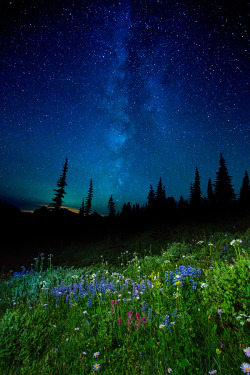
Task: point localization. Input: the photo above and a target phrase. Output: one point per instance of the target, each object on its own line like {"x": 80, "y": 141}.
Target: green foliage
{"x": 229, "y": 287}
{"x": 183, "y": 330}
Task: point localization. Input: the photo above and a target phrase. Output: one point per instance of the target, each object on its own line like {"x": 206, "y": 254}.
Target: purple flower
{"x": 247, "y": 351}
{"x": 219, "y": 311}
{"x": 212, "y": 372}
{"x": 245, "y": 367}
{"x": 96, "y": 366}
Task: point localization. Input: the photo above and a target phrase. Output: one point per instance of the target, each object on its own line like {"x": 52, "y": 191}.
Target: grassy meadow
{"x": 183, "y": 309}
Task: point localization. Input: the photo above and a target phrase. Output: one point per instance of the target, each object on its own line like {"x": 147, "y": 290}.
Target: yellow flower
{"x": 218, "y": 351}
{"x": 177, "y": 283}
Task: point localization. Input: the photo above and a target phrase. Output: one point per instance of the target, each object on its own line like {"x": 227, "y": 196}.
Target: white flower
{"x": 235, "y": 241}
{"x": 204, "y": 285}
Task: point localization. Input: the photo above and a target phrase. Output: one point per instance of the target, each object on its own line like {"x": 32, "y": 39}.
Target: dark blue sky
{"x": 129, "y": 91}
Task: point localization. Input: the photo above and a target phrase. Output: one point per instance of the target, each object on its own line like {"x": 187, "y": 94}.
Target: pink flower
{"x": 116, "y": 302}
{"x": 143, "y": 320}
{"x": 137, "y": 315}
{"x": 119, "y": 320}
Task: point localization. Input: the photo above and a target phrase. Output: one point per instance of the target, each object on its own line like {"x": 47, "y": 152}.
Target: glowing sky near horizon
{"x": 129, "y": 91}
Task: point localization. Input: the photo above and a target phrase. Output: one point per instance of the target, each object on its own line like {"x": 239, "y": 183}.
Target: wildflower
{"x": 119, "y": 320}
{"x": 76, "y": 329}
{"x": 96, "y": 366}
{"x": 203, "y": 285}
{"x": 212, "y": 372}
{"x": 218, "y": 351}
{"x": 247, "y": 351}
{"x": 161, "y": 326}
{"x": 84, "y": 353}
{"x": 169, "y": 370}
{"x": 55, "y": 350}
{"x": 177, "y": 283}
{"x": 67, "y": 339}
{"x": 84, "y": 312}
{"x": 245, "y": 367}
{"x": 96, "y": 354}
{"x": 143, "y": 321}
{"x": 235, "y": 241}
{"x": 219, "y": 311}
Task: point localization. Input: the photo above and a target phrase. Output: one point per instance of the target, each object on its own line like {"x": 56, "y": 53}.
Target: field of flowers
{"x": 185, "y": 311}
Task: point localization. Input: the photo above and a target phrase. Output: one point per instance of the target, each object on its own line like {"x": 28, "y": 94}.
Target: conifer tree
{"x": 151, "y": 198}
{"x": 160, "y": 192}
{"x": 111, "y": 207}
{"x": 81, "y": 211}
{"x": 195, "y": 193}
{"x": 244, "y": 199}
{"x": 89, "y": 199}
{"x": 60, "y": 192}
{"x": 224, "y": 191}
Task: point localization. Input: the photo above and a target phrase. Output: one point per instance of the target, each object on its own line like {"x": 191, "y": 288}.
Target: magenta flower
{"x": 119, "y": 320}
{"x": 143, "y": 320}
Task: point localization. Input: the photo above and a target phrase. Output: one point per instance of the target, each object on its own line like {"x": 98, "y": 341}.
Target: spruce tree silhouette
{"x": 224, "y": 191}
{"x": 111, "y": 207}
{"x": 89, "y": 199}
{"x": 151, "y": 198}
{"x": 244, "y": 198}
{"x": 60, "y": 192}
{"x": 81, "y": 211}
{"x": 195, "y": 192}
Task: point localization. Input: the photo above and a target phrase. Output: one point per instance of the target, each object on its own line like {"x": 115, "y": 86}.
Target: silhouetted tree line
{"x": 220, "y": 197}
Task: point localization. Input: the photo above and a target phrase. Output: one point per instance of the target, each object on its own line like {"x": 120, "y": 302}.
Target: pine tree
{"x": 60, "y": 192}
{"x": 89, "y": 199}
{"x": 244, "y": 199}
{"x": 151, "y": 198}
{"x": 224, "y": 191}
{"x": 111, "y": 207}
{"x": 81, "y": 211}
{"x": 195, "y": 193}
{"x": 159, "y": 192}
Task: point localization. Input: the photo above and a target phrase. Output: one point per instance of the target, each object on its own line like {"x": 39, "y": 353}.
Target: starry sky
{"x": 128, "y": 90}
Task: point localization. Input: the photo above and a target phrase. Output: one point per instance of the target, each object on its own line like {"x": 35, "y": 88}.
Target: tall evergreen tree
{"x": 89, "y": 199}
{"x": 60, "y": 192}
{"x": 111, "y": 207}
{"x": 81, "y": 211}
{"x": 244, "y": 199}
{"x": 195, "y": 193}
{"x": 151, "y": 198}
{"x": 224, "y": 191}
{"x": 159, "y": 192}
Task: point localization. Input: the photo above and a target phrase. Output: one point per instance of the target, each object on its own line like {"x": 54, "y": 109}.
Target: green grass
{"x": 191, "y": 324}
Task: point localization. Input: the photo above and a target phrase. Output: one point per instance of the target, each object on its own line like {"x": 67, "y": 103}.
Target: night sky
{"x": 129, "y": 91}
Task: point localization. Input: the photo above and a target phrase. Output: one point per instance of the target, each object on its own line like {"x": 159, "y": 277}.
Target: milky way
{"x": 129, "y": 91}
